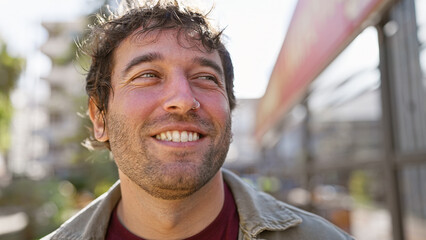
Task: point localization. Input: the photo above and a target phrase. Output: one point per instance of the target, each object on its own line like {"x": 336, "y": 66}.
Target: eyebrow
{"x": 154, "y": 56}
{"x": 208, "y": 63}
{"x": 149, "y": 57}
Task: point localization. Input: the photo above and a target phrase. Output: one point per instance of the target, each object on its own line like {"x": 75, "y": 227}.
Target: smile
{"x": 178, "y": 136}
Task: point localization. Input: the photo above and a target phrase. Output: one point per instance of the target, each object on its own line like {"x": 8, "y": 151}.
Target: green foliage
{"x": 92, "y": 170}
{"x": 358, "y": 187}
{"x": 50, "y": 202}
{"x": 5, "y": 117}
{"x": 10, "y": 68}
{"x": 43, "y": 201}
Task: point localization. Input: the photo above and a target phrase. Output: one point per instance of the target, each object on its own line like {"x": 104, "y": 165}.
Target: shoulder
{"x": 48, "y": 237}
{"x": 263, "y": 216}
{"x": 312, "y": 227}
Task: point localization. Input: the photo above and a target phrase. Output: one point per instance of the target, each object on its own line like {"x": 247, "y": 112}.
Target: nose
{"x": 180, "y": 98}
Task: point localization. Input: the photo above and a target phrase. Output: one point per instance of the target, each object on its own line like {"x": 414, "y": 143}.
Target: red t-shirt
{"x": 225, "y": 226}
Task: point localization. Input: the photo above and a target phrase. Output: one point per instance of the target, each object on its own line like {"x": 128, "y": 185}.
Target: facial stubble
{"x": 136, "y": 158}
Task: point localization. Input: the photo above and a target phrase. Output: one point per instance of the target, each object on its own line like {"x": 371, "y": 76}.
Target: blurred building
{"x": 44, "y": 126}
{"x": 67, "y": 92}
{"x": 344, "y": 116}
{"x": 46, "y": 114}
{"x": 244, "y": 150}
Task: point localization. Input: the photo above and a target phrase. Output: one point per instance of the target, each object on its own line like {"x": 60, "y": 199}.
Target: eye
{"x": 147, "y": 75}
{"x": 145, "y": 79}
{"x": 207, "y": 77}
{"x": 208, "y": 80}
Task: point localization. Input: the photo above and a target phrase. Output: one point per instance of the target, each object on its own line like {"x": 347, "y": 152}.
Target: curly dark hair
{"x": 108, "y": 32}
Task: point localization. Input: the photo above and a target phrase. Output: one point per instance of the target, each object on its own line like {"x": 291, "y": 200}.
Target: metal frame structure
{"x": 403, "y": 101}
{"x": 403, "y": 122}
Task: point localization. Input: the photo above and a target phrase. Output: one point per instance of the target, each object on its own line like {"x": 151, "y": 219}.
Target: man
{"x": 160, "y": 98}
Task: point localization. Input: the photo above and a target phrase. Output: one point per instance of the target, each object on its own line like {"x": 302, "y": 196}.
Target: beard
{"x": 168, "y": 175}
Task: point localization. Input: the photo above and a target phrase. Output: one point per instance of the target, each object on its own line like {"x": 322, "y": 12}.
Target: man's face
{"x": 155, "y": 80}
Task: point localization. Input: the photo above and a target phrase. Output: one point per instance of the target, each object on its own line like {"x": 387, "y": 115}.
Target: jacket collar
{"x": 259, "y": 211}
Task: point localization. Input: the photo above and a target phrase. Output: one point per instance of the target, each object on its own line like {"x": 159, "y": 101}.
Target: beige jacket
{"x": 261, "y": 217}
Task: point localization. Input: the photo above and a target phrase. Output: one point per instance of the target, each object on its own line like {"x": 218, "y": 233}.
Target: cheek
{"x": 135, "y": 103}
{"x": 217, "y": 106}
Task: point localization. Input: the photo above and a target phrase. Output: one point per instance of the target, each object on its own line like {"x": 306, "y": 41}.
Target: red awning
{"x": 318, "y": 32}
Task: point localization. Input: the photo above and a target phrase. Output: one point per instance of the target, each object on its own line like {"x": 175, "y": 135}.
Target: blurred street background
{"x": 331, "y": 113}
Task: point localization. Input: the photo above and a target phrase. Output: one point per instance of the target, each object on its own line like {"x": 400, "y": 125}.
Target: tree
{"x": 10, "y": 68}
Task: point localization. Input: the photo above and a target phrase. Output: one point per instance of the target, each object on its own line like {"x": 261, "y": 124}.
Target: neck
{"x": 154, "y": 218}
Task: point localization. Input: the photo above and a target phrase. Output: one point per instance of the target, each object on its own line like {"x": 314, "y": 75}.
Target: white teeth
{"x": 177, "y": 136}
{"x": 195, "y": 137}
{"x": 184, "y": 136}
{"x": 163, "y": 136}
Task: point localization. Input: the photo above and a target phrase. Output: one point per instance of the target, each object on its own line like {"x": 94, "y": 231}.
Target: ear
{"x": 97, "y": 118}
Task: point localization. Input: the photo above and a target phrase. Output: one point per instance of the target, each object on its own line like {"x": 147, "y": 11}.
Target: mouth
{"x": 178, "y": 136}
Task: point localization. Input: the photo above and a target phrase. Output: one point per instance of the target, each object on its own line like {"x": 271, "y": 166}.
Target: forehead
{"x": 170, "y": 43}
